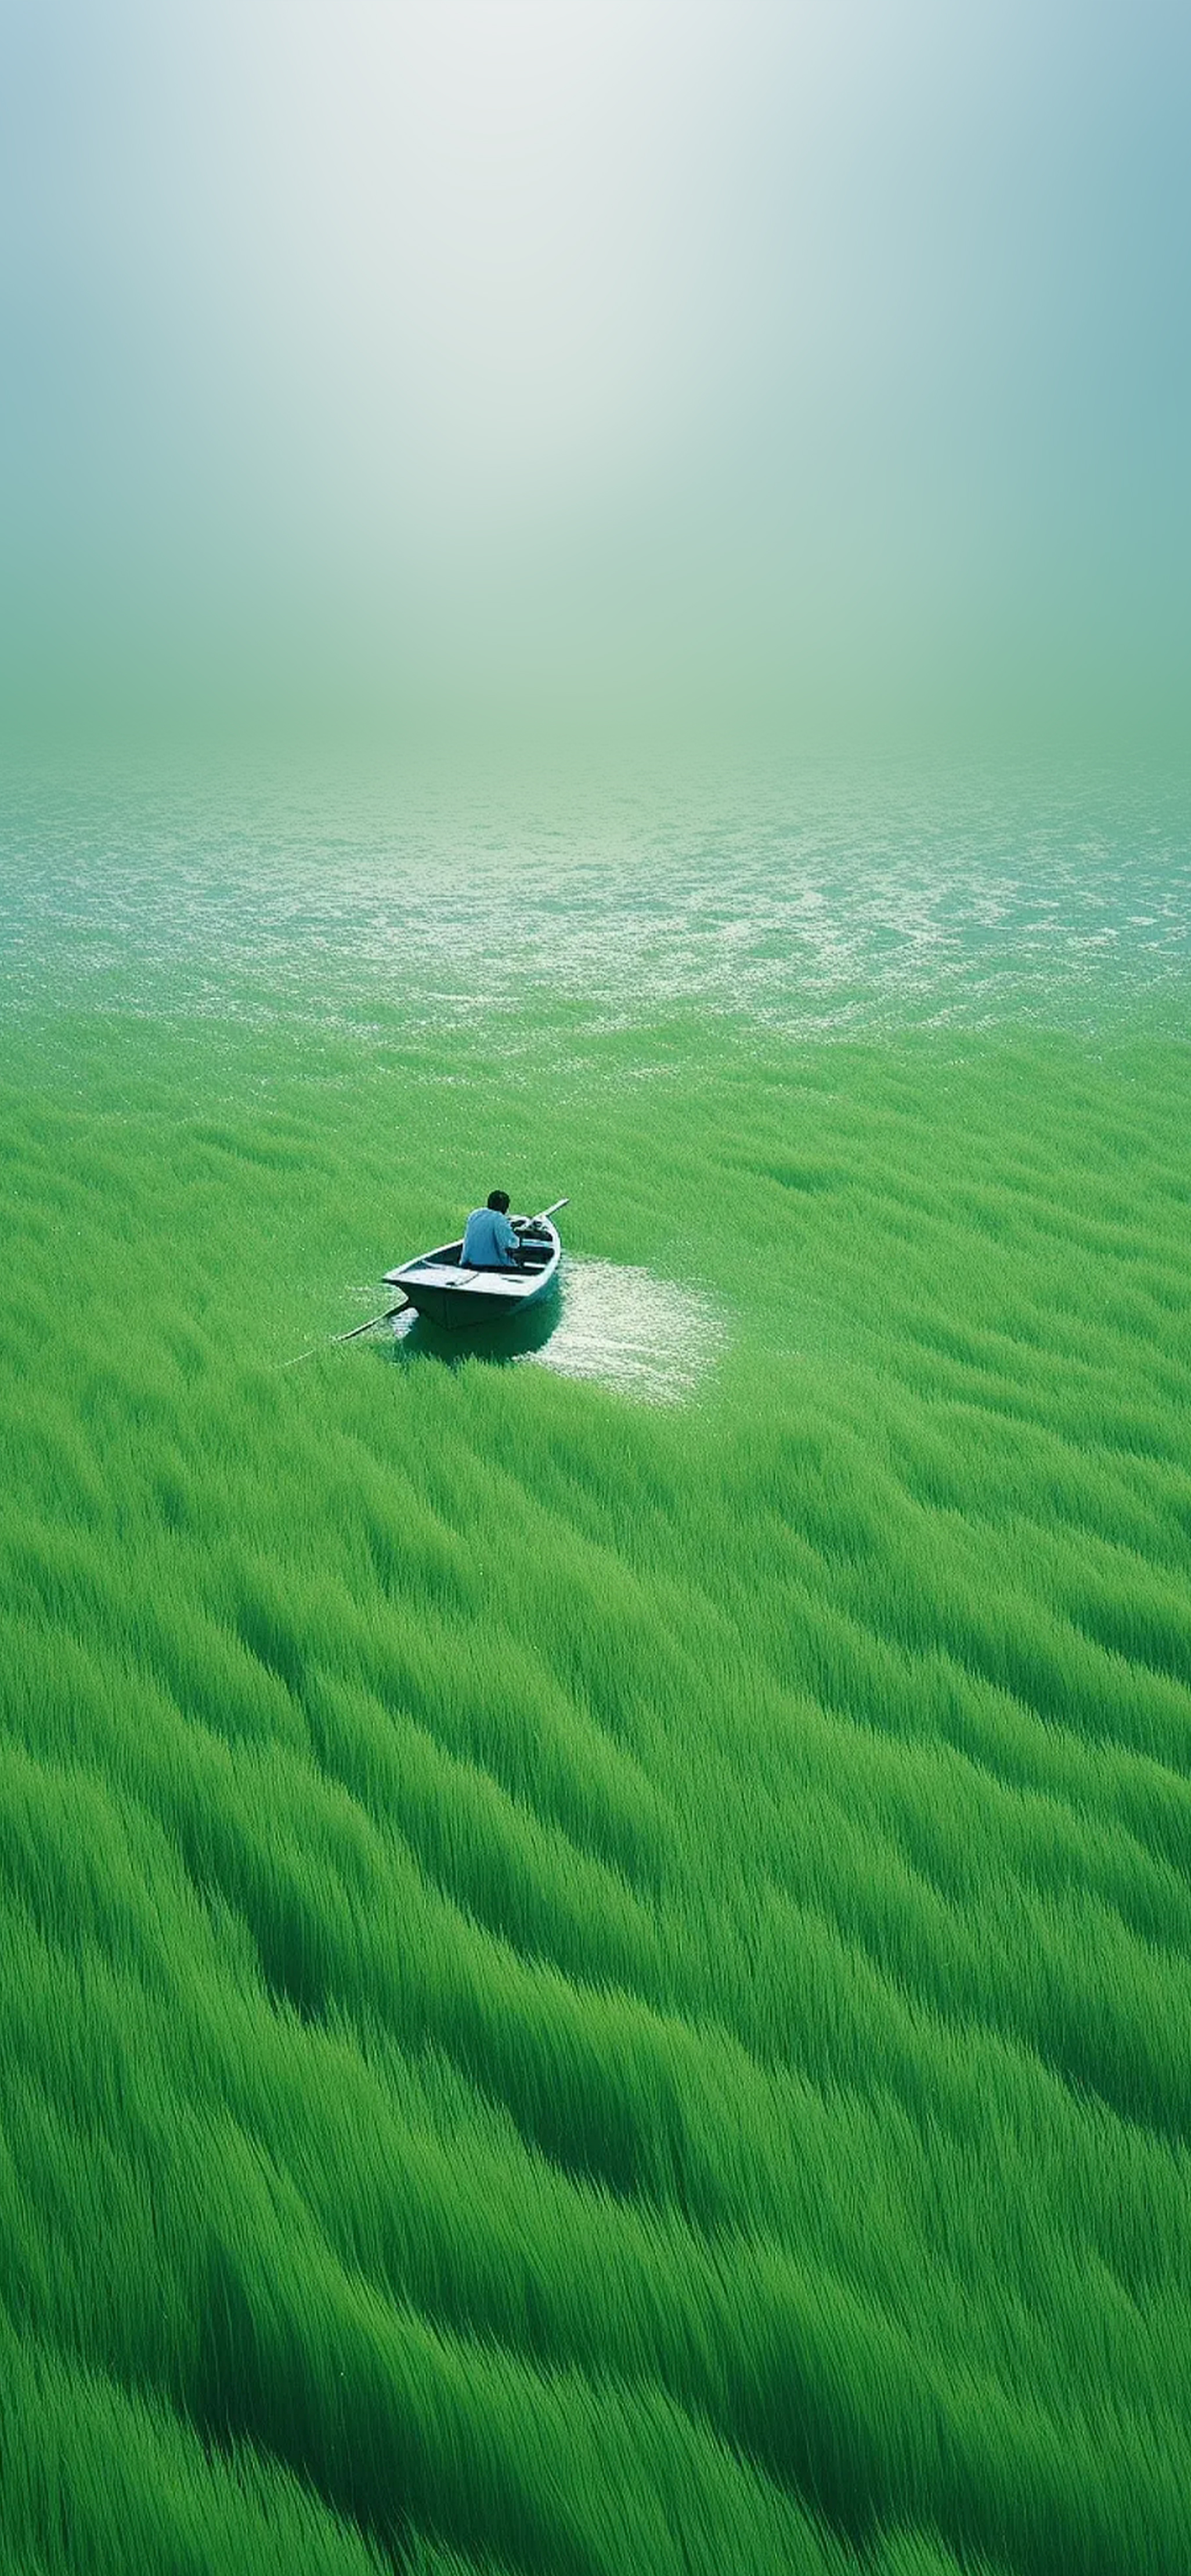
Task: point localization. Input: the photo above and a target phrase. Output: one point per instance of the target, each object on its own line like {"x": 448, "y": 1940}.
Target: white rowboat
{"x": 452, "y": 1297}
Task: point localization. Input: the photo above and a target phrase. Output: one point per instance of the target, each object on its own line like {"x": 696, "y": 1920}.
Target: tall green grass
{"x": 589, "y": 1987}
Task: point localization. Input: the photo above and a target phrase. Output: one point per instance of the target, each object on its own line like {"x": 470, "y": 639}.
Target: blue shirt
{"x": 488, "y": 1242}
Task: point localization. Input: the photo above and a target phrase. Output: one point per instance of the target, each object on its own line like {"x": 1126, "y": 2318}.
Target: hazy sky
{"x": 541, "y": 328}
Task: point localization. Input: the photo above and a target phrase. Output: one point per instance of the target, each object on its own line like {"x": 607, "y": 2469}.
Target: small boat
{"x": 452, "y": 1297}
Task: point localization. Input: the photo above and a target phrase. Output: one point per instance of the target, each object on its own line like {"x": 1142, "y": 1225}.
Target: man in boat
{"x": 490, "y": 1242}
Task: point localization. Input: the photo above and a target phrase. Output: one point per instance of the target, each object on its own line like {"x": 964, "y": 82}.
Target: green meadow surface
{"x": 592, "y": 1987}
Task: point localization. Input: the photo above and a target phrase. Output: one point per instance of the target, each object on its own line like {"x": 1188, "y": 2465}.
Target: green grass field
{"x": 595, "y": 1989}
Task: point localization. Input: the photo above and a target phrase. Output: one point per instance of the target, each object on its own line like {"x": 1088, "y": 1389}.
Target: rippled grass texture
{"x": 589, "y": 1989}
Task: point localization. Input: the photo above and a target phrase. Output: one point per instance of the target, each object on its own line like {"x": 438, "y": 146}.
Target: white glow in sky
{"x": 475, "y": 317}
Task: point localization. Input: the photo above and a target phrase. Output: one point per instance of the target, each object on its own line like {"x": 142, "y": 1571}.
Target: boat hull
{"x": 457, "y": 1300}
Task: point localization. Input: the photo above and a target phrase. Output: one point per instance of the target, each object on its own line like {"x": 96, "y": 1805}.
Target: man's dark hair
{"x": 499, "y": 1199}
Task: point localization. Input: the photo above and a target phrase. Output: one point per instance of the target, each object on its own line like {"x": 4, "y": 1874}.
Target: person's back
{"x": 489, "y": 1242}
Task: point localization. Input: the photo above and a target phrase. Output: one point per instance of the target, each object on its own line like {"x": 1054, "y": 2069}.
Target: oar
{"x": 545, "y": 1212}
{"x": 386, "y": 1318}
{"x": 356, "y": 1329}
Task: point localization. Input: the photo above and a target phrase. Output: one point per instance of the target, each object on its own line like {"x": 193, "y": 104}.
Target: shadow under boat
{"x": 499, "y": 1343}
